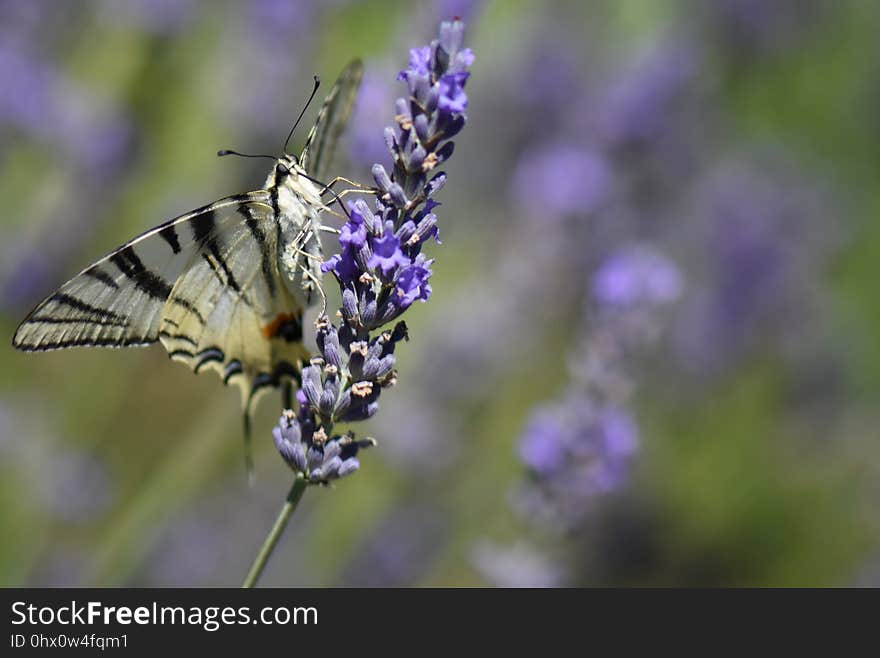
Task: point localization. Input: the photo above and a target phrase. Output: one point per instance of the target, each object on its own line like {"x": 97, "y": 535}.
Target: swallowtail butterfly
{"x": 223, "y": 287}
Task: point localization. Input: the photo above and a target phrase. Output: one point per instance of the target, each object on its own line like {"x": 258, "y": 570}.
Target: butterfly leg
{"x": 319, "y": 288}
{"x": 338, "y": 198}
{"x": 358, "y": 188}
{"x": 341, "y": 179}
{"x": 308, "y": 273}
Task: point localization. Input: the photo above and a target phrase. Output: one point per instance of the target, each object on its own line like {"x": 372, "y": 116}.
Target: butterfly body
{"x": 222, "y": 288}
{"x": 296, "y": 203}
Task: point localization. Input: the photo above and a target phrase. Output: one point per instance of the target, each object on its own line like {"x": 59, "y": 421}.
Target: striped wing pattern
{"x": 205, "y": 284}
{"x": 331, "y": 121}
{"x": 230, "y": 311}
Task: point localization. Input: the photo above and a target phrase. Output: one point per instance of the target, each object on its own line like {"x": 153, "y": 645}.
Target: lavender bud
{"x": 451, "y": 36}
{"x": 348, "y": 467}
{"x": 328, "y": 396}
{"x": 383, "y": 180}
{"x": 445, "y": 151}
{"x": 315, "y": 458}
{"x": 435, "y": 184}
{"x": 330, "y": 348}
{"x": 405, "y": 232}
{"x": 330, "y": 468}
{"x": 420, "y": 123}
{"x": 311, "y": 384}
{"x": 397, "y": 195}
{"x": 331, "y": 450}
{"x": 349, "y": 305}
{"x": 392, "y": 144}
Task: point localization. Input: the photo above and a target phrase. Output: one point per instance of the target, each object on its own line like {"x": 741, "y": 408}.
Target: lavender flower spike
{"x": 380, "y": 268}
{"x": 381, "y": 271}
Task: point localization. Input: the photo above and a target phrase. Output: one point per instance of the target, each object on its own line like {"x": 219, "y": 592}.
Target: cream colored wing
{"x": 230, "y": 311}
{"x": 118, "y": 301}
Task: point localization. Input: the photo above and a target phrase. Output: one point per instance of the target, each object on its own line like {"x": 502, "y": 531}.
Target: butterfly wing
{"x": 118, "y": 301}
{"x": 230, "y": 311}
{"x": 332, "y": 119}
{"x": 205, "y": 284}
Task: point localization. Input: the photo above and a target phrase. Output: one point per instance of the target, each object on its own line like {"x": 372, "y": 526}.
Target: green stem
{"x": 296, "y": 492}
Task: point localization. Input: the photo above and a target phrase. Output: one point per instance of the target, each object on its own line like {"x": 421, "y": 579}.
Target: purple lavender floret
{"x": 380, "y": 268}
{"x": 318, "y": 458}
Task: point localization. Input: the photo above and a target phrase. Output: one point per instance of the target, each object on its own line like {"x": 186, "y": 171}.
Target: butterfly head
{"x": 290, "y": 180}
{"x": 287, "y": 171}
{"x": 286, "y": 165}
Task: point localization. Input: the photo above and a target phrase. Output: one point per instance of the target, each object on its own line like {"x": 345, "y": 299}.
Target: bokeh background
{"x": 652, "y": 355}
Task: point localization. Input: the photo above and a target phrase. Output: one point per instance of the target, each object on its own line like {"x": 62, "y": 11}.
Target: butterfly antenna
{"x": 224, "y": 152}
{"x": 299, "y": 118}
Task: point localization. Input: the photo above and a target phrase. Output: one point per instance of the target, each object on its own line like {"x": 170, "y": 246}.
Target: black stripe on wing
{"x": 63, "y": 299}
{"x": 203, "y": 228}
{"x": 86, "y": 342}
{"x": 118, "y": 301}
{"x": 169, "y": 234}
{"x": 266, "y": 257}
{"x": 97, "y": 273}
{"x": 131, "y": 266}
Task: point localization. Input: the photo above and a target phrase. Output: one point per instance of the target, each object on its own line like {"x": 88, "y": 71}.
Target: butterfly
{"x": 223, "y": 287}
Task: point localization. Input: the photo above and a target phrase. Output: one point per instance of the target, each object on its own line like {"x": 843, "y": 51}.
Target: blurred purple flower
{"x": 46, "y": 106}
{"x": 541, "y": 449}
{"x": 574, "y": 452}
{"x": 638, "y": 107}
{"x": 636, "y": 275}
{"x": 96, "y": 134}
{"x": 582, "y": 447}
{"x": 28, "y": 83}
{"x": 560, "y": 180}
{"x": 763, "y": 244}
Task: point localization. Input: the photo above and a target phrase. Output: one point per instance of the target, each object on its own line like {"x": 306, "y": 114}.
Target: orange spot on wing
{"x": 271, "y": 330}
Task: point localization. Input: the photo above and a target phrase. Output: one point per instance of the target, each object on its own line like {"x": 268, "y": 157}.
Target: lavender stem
{"x": 296, "y": 492}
